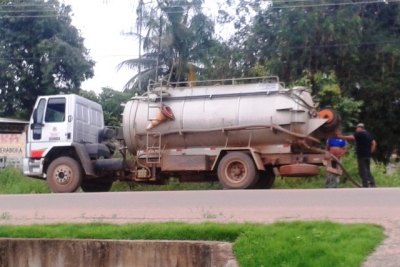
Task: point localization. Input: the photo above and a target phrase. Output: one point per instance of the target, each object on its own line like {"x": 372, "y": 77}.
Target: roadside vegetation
{"x": 13, "y": 182}
{"x": 280, "y": 244}
{"x": 383, "y": 179}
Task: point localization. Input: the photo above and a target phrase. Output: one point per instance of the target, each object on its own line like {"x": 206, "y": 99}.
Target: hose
{"x": 344, "y": 171}
{"x": 347, "y": 175}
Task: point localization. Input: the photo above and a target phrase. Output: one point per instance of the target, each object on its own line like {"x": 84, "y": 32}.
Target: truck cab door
{"x": 49, "y": 125}
{"x": 55, "y": 120}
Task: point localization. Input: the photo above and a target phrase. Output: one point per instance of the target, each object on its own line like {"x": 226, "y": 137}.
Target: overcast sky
{"x": 102, "y": 24}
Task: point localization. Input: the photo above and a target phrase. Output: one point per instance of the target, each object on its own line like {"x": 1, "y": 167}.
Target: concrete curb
{"x": 15, "y": 252}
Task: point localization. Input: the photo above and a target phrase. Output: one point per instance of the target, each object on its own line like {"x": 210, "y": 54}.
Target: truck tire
{"x": 266, "y": 179}
{"x": 64, "y": 175}
{"x": 237, "y": 171}
{"x": 96, "y": 185}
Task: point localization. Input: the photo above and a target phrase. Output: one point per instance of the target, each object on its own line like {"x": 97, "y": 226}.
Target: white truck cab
{"x": 66, "y": 127}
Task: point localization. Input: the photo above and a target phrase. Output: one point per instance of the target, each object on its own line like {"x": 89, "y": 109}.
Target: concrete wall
{"x": 114, "y": 253}
{"x": 12, "y": 149}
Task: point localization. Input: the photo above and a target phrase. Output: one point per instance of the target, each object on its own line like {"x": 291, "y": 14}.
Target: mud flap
{"x": 85, "y": 161}
{"x": 257, "y": 160}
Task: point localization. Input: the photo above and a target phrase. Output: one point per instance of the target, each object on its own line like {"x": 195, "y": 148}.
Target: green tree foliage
{"x": 328, "y": 93}
{"x": 355, "y": 41}
{"x": 111, "y": 101}
{"x": 176, "y": 38}
{"x": 91, "y": 95}
{"x": 40, "y": 53}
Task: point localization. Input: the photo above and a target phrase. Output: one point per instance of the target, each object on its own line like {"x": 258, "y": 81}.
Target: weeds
{"x": 13, "y": 182}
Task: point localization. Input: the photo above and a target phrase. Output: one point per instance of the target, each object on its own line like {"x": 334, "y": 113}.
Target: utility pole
{"x": 139, "y": 12}
{"x": 159, "y": 47}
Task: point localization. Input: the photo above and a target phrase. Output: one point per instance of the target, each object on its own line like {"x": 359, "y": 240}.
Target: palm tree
{"x": 175, "y": 42}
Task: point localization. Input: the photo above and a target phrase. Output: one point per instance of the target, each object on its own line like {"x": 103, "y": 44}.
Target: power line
{"x": 176, "y": 12}
{"x": 337, "y": 45}
{"x": 33, "y": 16}
{"x": 30, "y": 13}
{"x": 344, "y": 45}
{"x": 272, "y": 6}
{"x": 333, "y": 4}
{"x": 25, "y": 5}
{"x": 27, "y": 11}
{"x": 319, "y": 1}
{"x": 57, "y": 58}
{"x": 271, "y": 2}
{"x": 312, "y": 3}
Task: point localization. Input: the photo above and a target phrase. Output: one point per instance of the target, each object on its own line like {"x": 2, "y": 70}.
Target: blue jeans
{"x": 332, "y": 180}
{"x": 365, "y": 172}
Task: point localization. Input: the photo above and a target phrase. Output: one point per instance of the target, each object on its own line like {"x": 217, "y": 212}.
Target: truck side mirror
{"x": 37, "y": 123}
{"x": 34, "y": 115}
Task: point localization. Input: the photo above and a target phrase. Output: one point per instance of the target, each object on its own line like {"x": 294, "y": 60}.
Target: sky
{"x": 102, "y": 24}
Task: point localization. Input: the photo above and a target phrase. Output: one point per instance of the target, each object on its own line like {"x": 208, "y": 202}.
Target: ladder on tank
{"x": 153, "y": 139}
{"x": 153, "y": 147}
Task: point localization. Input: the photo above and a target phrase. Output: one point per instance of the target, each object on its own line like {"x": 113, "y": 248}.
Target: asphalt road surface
{"x": 371, "y": 205}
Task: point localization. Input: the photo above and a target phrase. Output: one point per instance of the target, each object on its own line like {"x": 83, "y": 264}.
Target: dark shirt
{"x": 363, "y": 144}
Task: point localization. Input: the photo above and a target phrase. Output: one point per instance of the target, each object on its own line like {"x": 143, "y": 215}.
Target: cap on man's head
{"x": 360, "y": 125}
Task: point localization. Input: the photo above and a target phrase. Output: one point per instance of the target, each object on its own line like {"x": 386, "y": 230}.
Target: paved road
{"x": 375, "y": 205}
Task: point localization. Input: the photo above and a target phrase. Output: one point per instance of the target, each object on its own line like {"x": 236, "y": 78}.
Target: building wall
{"x": 12, "y": 149}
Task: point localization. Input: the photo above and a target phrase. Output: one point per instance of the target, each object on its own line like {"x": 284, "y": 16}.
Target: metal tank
{"x": 235, "y": 115}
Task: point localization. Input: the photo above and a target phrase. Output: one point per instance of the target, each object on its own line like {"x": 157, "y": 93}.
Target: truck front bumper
{"x": 33, "y": 167}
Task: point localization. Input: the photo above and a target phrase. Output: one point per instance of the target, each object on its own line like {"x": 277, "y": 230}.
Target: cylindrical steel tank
{"x": 219, "y": 115}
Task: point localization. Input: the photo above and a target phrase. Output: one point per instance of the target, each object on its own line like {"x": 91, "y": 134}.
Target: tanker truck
{"x": 241, "y": 132}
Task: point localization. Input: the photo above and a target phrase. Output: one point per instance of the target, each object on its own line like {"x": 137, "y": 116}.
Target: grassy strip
{"x": 173, "y": 184}
{"x": 307, "y": 244}
{"x": 280, "y": 244}
{"x": 13, "y": 182}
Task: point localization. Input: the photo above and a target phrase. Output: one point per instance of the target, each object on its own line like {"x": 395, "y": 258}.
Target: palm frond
{"x": 143, "y": 77}
{"x": 135, "y": 62}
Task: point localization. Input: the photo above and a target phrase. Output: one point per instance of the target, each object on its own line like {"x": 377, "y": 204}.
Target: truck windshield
{"x": 55, "y": 111}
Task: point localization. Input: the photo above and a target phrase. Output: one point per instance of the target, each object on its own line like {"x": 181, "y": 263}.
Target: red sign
{"x": 12, "y": 145}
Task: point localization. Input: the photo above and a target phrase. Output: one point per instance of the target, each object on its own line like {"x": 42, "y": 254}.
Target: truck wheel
{"x": 96, "y": 185}
{"x": 266, "y": 180}
{"x": 64, "y": 175}
{"x": 237, "y": 171}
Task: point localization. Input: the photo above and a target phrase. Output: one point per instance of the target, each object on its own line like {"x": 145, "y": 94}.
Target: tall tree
{"x": 356, "y": 41}
{"x": 176, "y": 36}
{"x": 40, "y": 53}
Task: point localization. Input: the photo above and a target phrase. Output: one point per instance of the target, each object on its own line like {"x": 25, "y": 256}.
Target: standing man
{"x": 365, "y": 146}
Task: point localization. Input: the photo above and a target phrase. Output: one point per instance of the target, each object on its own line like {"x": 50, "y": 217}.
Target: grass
{"x": 280, "y": 244}
{"x": 307, "y": 244}
{"x": 13, "y": 182}
{"x": 173, "y": 184}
